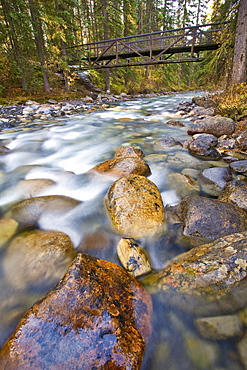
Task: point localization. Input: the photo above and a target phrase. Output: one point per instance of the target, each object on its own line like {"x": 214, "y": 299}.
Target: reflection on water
{"x": 63, "y": 150}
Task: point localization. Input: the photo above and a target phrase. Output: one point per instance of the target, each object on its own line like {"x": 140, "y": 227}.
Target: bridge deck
{"x": 170, "y": 46}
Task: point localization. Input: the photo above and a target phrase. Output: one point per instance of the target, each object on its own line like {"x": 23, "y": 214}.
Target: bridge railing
{"x": 150, "y": 48}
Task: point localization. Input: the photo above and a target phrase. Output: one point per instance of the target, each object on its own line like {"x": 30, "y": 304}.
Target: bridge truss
{"x": 170, "y": 46}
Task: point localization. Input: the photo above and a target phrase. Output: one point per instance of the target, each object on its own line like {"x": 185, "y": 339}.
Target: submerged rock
{"x": 242, "y": 349}
{"x": 217, "y": 126}
{"x": 219, "y": 327}
{"x": 206, "y": 219}
{"x": 28, "y": 212}
{"x": 4, "y": 149}
{"x": 183, "y": 184}
{"x": 37, "y": 258}
{"x": 31, "y": 188}
{"x": 166, "y": 143}
{"x": 209, "y": 279}
{"x": 182, "y": 159}
{"x": 135, "y": 207}
{"x": 8, "y": 227}
{"x": 172, "y": 122}
{"x": 133, "y": 258}
{"x": 97, "y": 317}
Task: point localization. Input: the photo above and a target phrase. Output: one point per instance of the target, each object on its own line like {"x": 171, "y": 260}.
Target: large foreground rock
{"x": 205, "y": 219}
{"x": 135, "y": 207}
{"x": 217, "y": 126}
{"x": 97, "y": 317}
{"x": 209, "y": 279}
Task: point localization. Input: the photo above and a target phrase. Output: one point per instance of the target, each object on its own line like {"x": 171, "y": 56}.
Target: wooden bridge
{"x": 170, "y": 46}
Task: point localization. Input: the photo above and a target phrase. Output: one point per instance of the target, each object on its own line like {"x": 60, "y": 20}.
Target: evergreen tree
{"x": 240, "y": 46}
{"x": 39, "y": 40}
{"x": 17, "y": 39}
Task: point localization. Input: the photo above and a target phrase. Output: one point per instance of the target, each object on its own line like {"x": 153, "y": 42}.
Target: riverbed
{"x": 64, "y": 149}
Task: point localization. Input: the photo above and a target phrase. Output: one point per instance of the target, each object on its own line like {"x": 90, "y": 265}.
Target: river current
{"x": 63, "y": 150}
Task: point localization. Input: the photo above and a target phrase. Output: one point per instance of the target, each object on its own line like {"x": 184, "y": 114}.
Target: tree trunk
{"x": 106, "y": 36}
{"x": 63, "y": 50}
{"x": 240, "y": 47}
{"x": 39, "y": 40}
{"x": 65, "y": 71}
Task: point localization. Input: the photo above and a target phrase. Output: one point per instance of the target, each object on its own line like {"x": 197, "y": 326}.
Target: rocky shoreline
{"x": 22, "y": 114}
{"x": 26, "y": 113}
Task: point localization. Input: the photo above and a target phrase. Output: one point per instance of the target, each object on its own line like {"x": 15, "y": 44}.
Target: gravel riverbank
{"x": 23, "y": 114}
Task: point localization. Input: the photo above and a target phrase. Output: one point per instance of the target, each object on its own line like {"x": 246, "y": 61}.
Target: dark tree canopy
{"x": 36, "y": 37}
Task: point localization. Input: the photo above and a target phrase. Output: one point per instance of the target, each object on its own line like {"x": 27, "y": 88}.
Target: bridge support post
{"x": 107, "y": 80}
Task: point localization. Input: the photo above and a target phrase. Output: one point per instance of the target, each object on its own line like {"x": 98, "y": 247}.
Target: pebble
{"x": 133, "y": 258}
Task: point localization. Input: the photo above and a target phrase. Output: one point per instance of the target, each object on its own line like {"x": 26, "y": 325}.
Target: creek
{"x": 64, "y": 149}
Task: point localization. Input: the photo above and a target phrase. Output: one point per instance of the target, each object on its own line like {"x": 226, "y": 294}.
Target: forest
{"x": 37, "y": 36}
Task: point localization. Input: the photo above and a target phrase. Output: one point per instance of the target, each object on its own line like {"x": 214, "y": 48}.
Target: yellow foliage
{"x": 233, "y": 101}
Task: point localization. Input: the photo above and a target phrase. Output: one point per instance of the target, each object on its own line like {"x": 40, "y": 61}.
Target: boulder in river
{"x": 166, "y": 143}
{"x": 128, "y": 152}
{"x": 205, "y": 219}
{"x": 37, "y": 258}
{"x": 135, "y": 207}
{"x": 242, "y": 140}
{"x": 122, "y": 167}
{"x": 206, "y": 280}
{"x": 97, "y": 317}
{"x": 217, "y": 126}
{"x": 204, "y": 145}
{"x": 235, "y": 192}
{"x": 239, "y": 166}
{"x": 133, "y": 257}
{"x": 214, "y": 179}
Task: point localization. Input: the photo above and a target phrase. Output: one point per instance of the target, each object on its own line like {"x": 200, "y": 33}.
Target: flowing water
{"x": 63, "y": 150}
